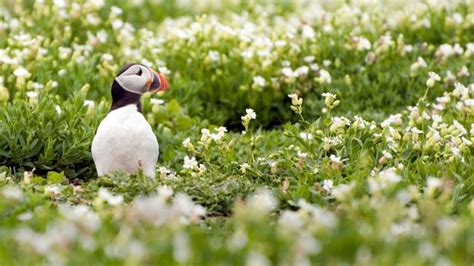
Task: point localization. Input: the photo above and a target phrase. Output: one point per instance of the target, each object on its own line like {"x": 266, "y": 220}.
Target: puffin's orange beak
{"x": 159, "y": 82}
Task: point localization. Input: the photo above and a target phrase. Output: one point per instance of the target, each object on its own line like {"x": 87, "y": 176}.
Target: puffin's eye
{"x": 139, "y": 72}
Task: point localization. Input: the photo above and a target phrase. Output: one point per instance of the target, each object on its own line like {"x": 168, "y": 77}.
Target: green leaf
{"x": 55, "y": 177}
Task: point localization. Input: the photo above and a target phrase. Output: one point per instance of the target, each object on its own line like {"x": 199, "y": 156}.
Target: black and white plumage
{"x": 124, "y": 140}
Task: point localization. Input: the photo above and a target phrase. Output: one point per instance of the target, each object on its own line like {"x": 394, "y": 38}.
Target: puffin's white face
{"x": 137, "y": 79}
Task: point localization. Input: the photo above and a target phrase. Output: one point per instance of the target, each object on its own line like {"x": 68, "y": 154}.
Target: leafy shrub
{"x": 48, "y": 135}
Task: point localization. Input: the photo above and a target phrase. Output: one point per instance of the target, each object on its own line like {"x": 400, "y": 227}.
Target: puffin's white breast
{"x": 125, "y": 142}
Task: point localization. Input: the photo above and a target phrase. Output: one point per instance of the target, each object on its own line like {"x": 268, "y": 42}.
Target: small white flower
{"x": 115, "y": 11}
{"x": 306, "y": 136}
{"x": 181, "y": 248}
{"x": 32, "y": 94}
{"x": 107, "y": 57}
{"x": 37, "y": 86}
{"x": 58, "y": 109}
{"x": 13, "y": 193}
{"x": 21, "y": 72}
{"x": 108, "y": 197}
{"x": 259, "y": 81}
{"x": 26, "y": 216}
{"x": 324, "y": 76}
{"x": 155, "y": 101}
{"x": 463, "y": 72}
{"x": 263, "y": 201}
{"x": 89, "y": 103}
{"x": 309, "y": 59}
{"x": 187, "y": 142}
{"x": 433, "y": 77}
{"x": 244, "y": 167}
{"x": 363, "y": 44}
{"x": 164, "y": 70}
{"x": 165, "y": 192}
{"x": 302, "y": 71}
{"x": 190, "y": 162}
{"x": 433, "y": 182}
{"x": 308, "y": 32}
{"x": 52, "y": 190}
{"x": 214, "y": 56}
{"x": 342, "y": 191}
{"x": 62, "y": 72}
{"x": 250, "y": 114}
{"x": 255, "y": 258}
{"x": 328, "y": 185}
{"x": 288, "y": 72}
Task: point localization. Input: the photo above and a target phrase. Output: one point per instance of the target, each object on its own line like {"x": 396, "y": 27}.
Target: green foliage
{"x": 294, "y": 133}
{"x": 50, "y": 135}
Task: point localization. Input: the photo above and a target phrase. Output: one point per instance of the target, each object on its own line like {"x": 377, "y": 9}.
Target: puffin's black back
{"x": 122, "y": 97}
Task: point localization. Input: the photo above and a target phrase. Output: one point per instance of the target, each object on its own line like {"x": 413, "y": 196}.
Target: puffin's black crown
{"x": 122, "y": 97}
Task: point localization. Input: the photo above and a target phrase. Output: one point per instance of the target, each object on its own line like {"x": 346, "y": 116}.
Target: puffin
{"x": 124, "y": 140}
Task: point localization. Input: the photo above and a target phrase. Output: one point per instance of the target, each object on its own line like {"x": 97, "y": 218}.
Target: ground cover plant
{"x": 295, "y": 133}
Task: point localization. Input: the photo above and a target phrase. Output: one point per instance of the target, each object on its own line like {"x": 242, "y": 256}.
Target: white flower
{"x": 255, "y": 258}
{"x": 107, "y": 57}
{"x": 288, "y": 72}
{"x": 115, "y": 11}
{"x": 463, "y": 72}
{"x": 181, "y": 249}
{"x": 155, "y": 101}
{"x": 164, "y": 70}
{"x": 81, "y": 215}
{"x": 190, "y": 163}
{"x": 280, "y": 43}
{"x": 328, "y": 98}
{"x": 26, "y": 216}
{"x": 263, "y": 201}
{"x": 214, "y": 56}
{"x": 52, "y": 190}
{"x": 112, "y": 200}
{"x": 290, "y": 220}
{"x": 37, "y": 86}
{"x": 309, "y": 59}
{"x": 363, "y": 44}
{"x": 165, "y": 192}
{"x": 319, "y": 215}
{"x": 259, "y": 81}
{"x": 328, "y": 185}
{"x": 13, "y": 193}
{"x": 324, "y": 76}
{"x": 62, "y": 72}
{"x": 21, "y": 72}
{"x": 89, "y": 103}
{"x": 433, "y": 182}
{"x": 306, "y": 136}
{"x": 387, "y": 154}
{"x": 307, "y": 244}
{"x": 433, "y": 77}
{"x": 164, "y": 172}
{"x": 250, "y": 114}
{"x": 302, "y": 71}
{"x": 244, "y": 167}
{"x": 238, "y": 240}
{"x": 342, "y": 191}
{"x": 335, "y": 159}
{"x": 32, "y": 94}
{"x": 308, "y": 32}
{"x": 187, "y": 143}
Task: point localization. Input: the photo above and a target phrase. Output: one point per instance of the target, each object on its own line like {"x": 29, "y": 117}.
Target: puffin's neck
{"x": 121, "y": 98}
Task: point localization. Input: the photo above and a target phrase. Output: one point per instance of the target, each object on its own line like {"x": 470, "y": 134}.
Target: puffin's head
{"x": 132, "y": 81}
{"x": 137, "y": 78}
